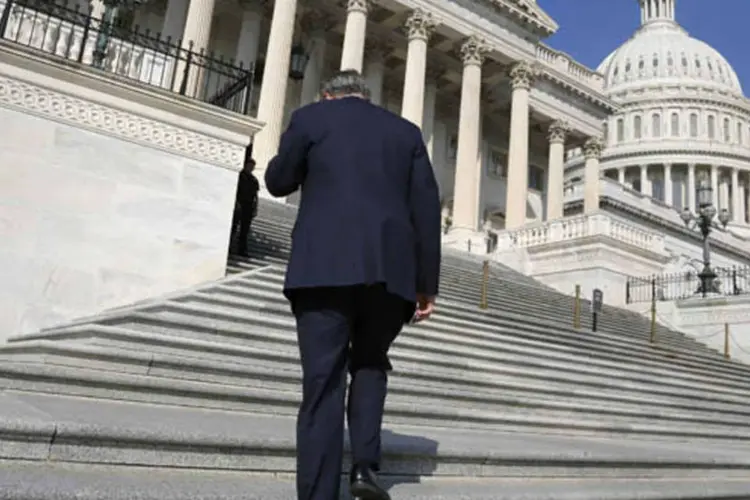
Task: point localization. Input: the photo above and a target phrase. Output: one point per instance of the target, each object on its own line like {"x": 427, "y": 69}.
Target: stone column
{"x": 316, "y": 24}
{"x": 645, "y": 182}
{"x": 174, "y": 19}
{"x": 430, "y": 107}
{"x": 621, "y": 175}
{"x": 352, "y": 54}
{"x": 715, "y": 185}
{"x": 691, "y": 187}
{"x": 274, "y": 86}
{"x": 522, "y": 77}
{"x": 735, "y": 196}
{"x": 374, "y": 73}
{"x": 592, "y": 150}
{"x": 248, "y": 43}
{"x": 668, "y": 190}
{"x": 557, "y": 132}
{"x": 419, "y": 25}
{"x": 743, "y": 202}
{"x": 195, "y": 36}
{"x": 466, "y": 189}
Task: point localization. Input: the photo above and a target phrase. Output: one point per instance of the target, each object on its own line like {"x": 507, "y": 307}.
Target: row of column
{"x": 731, "y": 194}
{"x": 417, "y": 97}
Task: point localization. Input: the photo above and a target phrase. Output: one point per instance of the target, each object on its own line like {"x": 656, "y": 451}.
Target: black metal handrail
{"x": 678, "y": 286}
{"x": 75, "y": 35}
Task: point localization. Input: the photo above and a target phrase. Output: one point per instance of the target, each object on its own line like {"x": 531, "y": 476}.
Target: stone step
{"x": 70, "y": 429}
{"x": 404, "y": 389}
{"x": 507, "y": 302}
{"x": 270, "y": 329}
{"x": 523, "y": 379}
{"x": 62, "y": 481}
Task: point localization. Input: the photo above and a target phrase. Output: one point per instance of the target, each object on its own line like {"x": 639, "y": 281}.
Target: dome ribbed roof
{"x": 662, "y": 51}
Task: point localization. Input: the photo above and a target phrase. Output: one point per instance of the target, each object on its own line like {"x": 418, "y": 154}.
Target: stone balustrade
{"x": 579, "y": 228}
{"x": 566, "y": 64}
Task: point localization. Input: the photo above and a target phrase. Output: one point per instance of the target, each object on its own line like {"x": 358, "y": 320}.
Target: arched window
{"x": 727, "y": 131}
{"x": 656, "y": 125}
{"x": 675, "y": 125}
{"x": 620, "y": 130}
{"x": 711, "y": 127}
{"x": 693, "y": 124}
{"x": 637, "y": 127}
{"x": 739, "y": 133}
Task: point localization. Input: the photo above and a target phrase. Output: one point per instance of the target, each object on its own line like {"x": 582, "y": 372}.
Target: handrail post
{"x": 484, "y": 299}
{"x": 653, "y": 311}
{"x": 577, "y": 309}
{"x": 726, "y": 341}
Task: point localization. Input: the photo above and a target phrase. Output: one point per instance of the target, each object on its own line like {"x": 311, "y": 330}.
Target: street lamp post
{"x": 704, "y": 220}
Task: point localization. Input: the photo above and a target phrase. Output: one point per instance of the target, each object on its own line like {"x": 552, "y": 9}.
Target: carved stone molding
{"x": 473, "y": 51}
{"x": 522, "y": 75}
{"x": 592, "y": 148}
{"x": 420, "y": 25}
{"x": 363, "y": 6}
{"x": 558, "y": 130}
{"x": 121, "y": 124}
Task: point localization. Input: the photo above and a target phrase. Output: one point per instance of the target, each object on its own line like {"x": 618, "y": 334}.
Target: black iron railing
{"x": 127, "y": 52}
{"x": 678, "y": 286}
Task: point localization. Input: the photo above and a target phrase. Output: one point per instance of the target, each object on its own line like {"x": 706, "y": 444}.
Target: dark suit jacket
{"x": 247, "y": 191}
{"x": 369, "y": 209}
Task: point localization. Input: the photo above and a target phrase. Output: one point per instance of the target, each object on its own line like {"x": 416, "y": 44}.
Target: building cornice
{"x": 527, "y": 14}
{"x": 675, "y": 229}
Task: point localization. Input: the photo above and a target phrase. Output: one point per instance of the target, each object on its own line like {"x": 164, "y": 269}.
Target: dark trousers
{"x": 242, "y": 218}
{"x": 340, "y": 328}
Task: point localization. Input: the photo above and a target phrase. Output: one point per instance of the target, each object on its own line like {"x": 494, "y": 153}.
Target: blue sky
{"x": 591, "y": 29}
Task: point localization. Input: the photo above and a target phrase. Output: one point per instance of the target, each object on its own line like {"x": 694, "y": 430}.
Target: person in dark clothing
{"x": 246, "y": 205}
{"x": 365, "y": 259}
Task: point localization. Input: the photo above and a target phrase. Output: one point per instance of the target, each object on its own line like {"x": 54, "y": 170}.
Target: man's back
{"x": 369, "y": 210}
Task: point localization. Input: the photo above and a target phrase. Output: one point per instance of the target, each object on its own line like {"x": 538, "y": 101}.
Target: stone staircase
{"x": 193, "y": 396}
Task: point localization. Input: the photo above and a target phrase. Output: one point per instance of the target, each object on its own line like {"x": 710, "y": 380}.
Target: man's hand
{"x": 425, "y": 307}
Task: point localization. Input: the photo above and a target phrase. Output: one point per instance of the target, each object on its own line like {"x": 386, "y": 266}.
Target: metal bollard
{"x": 577, "y": 309}
{"x": 484, "y": 300}
{"x": 653, "y": 320}
{"x": 726, "y": 341}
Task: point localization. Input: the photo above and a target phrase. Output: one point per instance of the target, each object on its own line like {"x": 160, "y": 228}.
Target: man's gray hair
{"x": 346, "y": 82}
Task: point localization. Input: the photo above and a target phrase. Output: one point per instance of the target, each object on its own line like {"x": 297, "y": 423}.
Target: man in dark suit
{"x": 246, "y": 202}
{"x": 365, "y": 259}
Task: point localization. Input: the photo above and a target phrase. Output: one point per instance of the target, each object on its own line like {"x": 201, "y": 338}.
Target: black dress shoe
{"x": 364, "y": 484}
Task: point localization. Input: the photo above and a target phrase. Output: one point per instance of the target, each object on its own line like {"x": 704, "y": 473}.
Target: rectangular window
{"x": 694, "y": 125}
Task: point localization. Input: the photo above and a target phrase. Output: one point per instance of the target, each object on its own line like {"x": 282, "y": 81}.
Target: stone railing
{"x": 76, "y": 39}
{"x": 628, "y": 196}
{"x": 580, "y": 227}
{"x": 567, "y": 65}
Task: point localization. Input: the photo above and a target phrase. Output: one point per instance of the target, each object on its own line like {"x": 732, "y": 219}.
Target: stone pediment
{"x": 529, "y": 11}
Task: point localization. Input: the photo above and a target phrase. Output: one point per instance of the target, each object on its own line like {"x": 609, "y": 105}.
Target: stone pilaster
{"x": 275, "y": 80}
{"x": 735, "y": 196}
{"x": 592, "y": 151}
{"x": 668, "y": 189}
{"x": 315, "y": 24}
{"x": 557, "y": 133}
{"x": 522, "y": 77}
{"x": 466, "y": 196}
{"x": 691, "y": 188}
{"x": 419, "y": 26}
{"x": 375, "y": 53}
{"x": 248, "y": 42}
{"x": 174, "y": 19}
{"x": 355, "y": 33}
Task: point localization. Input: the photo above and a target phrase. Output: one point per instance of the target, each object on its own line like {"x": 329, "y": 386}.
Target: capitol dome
{"x": 662, "y": 50}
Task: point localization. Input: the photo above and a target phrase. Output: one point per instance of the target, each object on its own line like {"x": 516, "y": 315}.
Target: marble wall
{"x": 89, "y": 222}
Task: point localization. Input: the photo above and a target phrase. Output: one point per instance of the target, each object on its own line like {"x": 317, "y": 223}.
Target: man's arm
{"x": 424, "y": 200}
{"x": 287, "y": 169}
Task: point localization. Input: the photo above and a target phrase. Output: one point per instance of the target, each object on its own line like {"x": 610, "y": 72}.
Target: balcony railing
{"x": 74, "y": 35}
{"x": 580, "y": 228}
{"x": 685, "y": 285}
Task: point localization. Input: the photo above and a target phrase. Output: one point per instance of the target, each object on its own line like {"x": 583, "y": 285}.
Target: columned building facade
{"x": 498, "y": 108}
